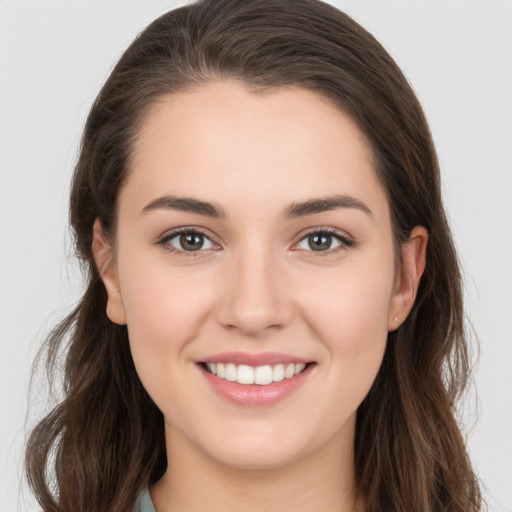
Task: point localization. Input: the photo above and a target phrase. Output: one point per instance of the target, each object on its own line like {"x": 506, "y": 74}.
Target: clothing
{"x": 144, "y": 503}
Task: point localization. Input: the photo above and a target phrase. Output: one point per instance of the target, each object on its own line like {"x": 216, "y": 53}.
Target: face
{"x": 254, "y": 241}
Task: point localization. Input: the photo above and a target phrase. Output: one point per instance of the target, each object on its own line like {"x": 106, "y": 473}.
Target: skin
{"x": 256, "y": 287}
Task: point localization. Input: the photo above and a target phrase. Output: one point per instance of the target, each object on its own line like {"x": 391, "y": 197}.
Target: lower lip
{"x": 253, "y": 394}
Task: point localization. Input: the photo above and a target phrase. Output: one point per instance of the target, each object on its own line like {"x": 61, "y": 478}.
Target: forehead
{"x": 222, "y": 141}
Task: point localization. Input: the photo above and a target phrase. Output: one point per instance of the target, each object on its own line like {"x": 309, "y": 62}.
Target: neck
{"x": 194, "y": 481}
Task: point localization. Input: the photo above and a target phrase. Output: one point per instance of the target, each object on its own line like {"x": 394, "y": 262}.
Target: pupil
{"x": 191, "y": 241}
{"x": 320, "y": 242}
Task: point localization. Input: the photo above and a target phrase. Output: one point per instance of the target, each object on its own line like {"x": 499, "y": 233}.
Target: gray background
{"x": 54, "y": 55}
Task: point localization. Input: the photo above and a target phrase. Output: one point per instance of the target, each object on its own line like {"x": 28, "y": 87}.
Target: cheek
{"x": 355, "y": 298}
{"x": 165, "y": 310}
{"x": 163, "y": 307}
{"x": 348, "y": 310}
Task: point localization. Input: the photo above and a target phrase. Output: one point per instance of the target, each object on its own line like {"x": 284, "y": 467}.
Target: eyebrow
{"x": 294, "y": 210}
{"x": 324, "y": 204}
{"x": 186, "y": 204}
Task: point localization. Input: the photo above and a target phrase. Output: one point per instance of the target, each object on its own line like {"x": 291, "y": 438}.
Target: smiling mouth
{"x": 259, "y": 375}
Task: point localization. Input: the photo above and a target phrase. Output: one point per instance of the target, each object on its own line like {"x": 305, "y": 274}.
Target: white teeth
{"x": 245, "y": 374}
{"x": 212, "y": 368}
{"x": 230, "y": 372}
{"x": 261, "y": 375}
{"x": 278, "y": 373}
{"x": 299, "y": 368}
{"x": 289, "y": 371}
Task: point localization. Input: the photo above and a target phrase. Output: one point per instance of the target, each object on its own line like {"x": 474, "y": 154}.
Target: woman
{"x": 273, "y": 317}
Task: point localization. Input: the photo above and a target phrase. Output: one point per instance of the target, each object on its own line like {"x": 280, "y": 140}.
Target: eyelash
{"x": 343, "y": 238}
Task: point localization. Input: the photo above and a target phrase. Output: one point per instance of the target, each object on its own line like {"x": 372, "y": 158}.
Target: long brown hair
{"x": 104, "y": 441}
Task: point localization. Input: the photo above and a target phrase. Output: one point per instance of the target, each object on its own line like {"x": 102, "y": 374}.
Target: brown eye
{"x": 191, "y": 241}
{"x": 320, "y": 242}
{"x": 325, "y": 241}
{"x": 188, "y": 241}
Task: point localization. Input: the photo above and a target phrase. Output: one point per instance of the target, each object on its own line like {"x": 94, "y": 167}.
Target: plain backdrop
{"x": 54, "y": 56}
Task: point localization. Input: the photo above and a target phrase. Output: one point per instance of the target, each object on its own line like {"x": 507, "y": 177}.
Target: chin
{"x": 260, "y": 452}
{"x": 249, "y": 460}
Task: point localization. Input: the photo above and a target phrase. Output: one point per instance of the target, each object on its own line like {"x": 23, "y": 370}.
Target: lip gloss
{"x": 254, "y": 394}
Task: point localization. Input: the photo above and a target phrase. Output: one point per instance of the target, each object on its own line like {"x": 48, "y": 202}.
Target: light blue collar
{"x": 144, "y": 503}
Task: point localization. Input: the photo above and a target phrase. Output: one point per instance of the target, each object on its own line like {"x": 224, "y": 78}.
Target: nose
{"x": 255, "y": 298}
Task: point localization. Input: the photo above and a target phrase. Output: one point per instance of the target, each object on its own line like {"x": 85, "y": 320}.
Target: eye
{"x": 187, "y": 241}
{"x": 325, "y": 240}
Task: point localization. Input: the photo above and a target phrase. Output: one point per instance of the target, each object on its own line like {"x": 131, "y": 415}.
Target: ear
{"x": 104, "y": 257}
{"x": 408, "y": 277}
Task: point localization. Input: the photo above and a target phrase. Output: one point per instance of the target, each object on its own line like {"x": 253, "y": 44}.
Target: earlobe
{"x": 408, "y": 276}
{"x": 104, "y": 258}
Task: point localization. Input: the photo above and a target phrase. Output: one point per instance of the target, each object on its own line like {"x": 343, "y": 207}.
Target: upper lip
{"x": 264, "y": 358}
